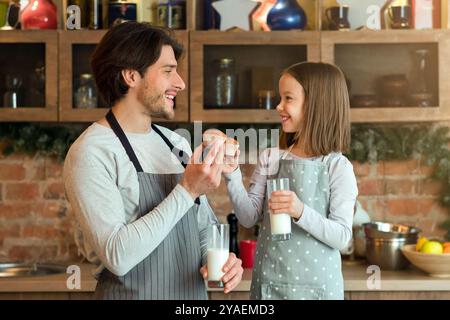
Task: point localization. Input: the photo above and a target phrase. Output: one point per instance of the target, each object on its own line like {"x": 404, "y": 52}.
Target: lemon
{"x": 433, "y": 247}
{"x": 420, "y": 243}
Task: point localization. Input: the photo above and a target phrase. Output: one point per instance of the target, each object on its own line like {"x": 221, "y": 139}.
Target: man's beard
{"x": 154, "y": 106}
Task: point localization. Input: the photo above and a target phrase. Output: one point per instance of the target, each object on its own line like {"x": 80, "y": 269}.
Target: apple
{"x": 432, "y": 247}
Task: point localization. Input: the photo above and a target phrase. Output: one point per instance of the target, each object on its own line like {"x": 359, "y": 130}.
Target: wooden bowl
{"x": 436, "y": 265}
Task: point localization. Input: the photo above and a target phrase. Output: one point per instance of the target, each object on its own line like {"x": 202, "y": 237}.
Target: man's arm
{"x": 98, "y": 207}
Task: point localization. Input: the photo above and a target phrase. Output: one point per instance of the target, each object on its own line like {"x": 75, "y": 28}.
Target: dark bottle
{"x": 211, "y": 16}
{"x": 256, "y": 231}
{"x": 95, "y": 14}
{"x": 233, "y": 222}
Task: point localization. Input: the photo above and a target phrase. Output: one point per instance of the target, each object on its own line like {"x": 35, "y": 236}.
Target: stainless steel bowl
{"x": 386, "y": 253}
{"x": 385, "y": 230}
{"x": 384, "y": 242}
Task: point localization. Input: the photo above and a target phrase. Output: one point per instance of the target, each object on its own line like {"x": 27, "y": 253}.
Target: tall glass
{"x": 280, "y": 223}
{"x": 218, "y": 252}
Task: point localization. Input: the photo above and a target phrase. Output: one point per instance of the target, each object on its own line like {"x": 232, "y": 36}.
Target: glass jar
{"x": 86, "y": 93}
{"x": 421, "y": 93}
{"x": 266, "y": 99}
{"x": 225, "y": 83}
{"x": 120, "y": 11}
{"x": 172, "y": 14}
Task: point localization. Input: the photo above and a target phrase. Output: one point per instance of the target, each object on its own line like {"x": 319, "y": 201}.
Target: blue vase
{"x": 286, "y": 15}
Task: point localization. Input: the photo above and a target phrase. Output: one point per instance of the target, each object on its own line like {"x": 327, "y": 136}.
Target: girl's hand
{"x": 286, "y": 201}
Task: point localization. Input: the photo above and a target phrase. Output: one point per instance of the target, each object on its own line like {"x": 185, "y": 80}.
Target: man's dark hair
{"x": 129, "y": 45}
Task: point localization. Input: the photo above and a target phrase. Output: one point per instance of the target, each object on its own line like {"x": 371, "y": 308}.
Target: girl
{"x": 314, "y": 112}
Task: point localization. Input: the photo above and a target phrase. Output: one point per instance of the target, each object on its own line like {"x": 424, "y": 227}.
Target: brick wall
{"x": 36, "y": 222}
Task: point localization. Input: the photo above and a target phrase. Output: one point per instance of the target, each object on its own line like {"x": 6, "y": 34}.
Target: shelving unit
{"x": 36, "y": 45}
{"x": 363, "y": 56}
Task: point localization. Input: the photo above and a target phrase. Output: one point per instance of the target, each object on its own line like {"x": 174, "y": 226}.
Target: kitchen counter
{"x": 410, "y": 283}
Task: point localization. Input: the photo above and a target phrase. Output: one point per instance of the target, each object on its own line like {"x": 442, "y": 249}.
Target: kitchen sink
{"x": 11, "y": 270}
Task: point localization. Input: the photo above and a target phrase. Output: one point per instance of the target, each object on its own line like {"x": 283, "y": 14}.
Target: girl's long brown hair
{"x": 325, "y": 125}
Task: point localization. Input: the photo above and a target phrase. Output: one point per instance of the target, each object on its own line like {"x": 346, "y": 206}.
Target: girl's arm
{"x": 336, "y": 229}
{"x": 248, "y": 206}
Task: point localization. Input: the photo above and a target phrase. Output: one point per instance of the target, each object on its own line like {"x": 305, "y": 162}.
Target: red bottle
{"x": 39, "y": 14}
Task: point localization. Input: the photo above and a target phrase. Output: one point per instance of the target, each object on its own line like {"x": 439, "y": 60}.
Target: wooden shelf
{"x": 200, "y": 39}
{"x": 49, "y": 38}
{"x": 404, "y": 114}
{"x": 67, "y": 112}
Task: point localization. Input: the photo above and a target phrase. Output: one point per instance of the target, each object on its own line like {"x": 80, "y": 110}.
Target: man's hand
{"x": 233, "y": 272}
{"x": 202, "y": 176}
{"x": 285, "y": 201}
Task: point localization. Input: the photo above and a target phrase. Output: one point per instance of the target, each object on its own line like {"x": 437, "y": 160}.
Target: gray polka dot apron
{"x": 171, "y": 271}
{"x": 302, "y": 268}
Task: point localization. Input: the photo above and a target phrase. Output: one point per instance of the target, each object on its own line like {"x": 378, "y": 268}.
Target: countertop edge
{"x": 355, "y": 280}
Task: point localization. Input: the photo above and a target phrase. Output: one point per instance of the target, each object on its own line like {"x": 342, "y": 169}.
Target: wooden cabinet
{"x": 254, "y": 54}
{"x": 367, "y": 56}
{"x": 28, "y": 75}
{"x": 364, "y": 56}
{"x": 75, "y": 49}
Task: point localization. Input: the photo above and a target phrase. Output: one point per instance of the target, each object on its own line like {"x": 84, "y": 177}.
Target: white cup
{"x": 218, "y": 252}
{"x": 280, "y": 223}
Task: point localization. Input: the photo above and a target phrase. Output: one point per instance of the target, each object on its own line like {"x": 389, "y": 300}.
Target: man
{"x": 142, "y": 217}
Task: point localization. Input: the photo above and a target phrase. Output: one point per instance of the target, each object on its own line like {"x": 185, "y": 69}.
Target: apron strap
{"x": 115, "y": 126}
{"x": 286, "y": 153}
{"x": 180, "y": 154}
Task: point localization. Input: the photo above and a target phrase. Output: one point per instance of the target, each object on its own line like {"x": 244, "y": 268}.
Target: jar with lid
{"x": 86, "y": 93}
{"x": 172, "y": 14}
{"x": 225, "y": 83}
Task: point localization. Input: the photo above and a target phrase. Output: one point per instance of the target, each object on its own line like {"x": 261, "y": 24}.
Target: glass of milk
{"x": 280, "y": 223}
{"x": 218, "y": 252}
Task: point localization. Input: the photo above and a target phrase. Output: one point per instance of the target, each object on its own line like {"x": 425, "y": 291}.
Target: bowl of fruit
{"x": 431, "y": 256}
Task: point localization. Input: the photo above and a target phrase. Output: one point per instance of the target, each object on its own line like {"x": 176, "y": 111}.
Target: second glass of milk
{"x": 280, "y": 224}
{"x": 218, "y": 252}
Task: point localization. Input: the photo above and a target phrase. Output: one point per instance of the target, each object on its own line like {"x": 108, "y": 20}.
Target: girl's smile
{"x": 291, "y": 104}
